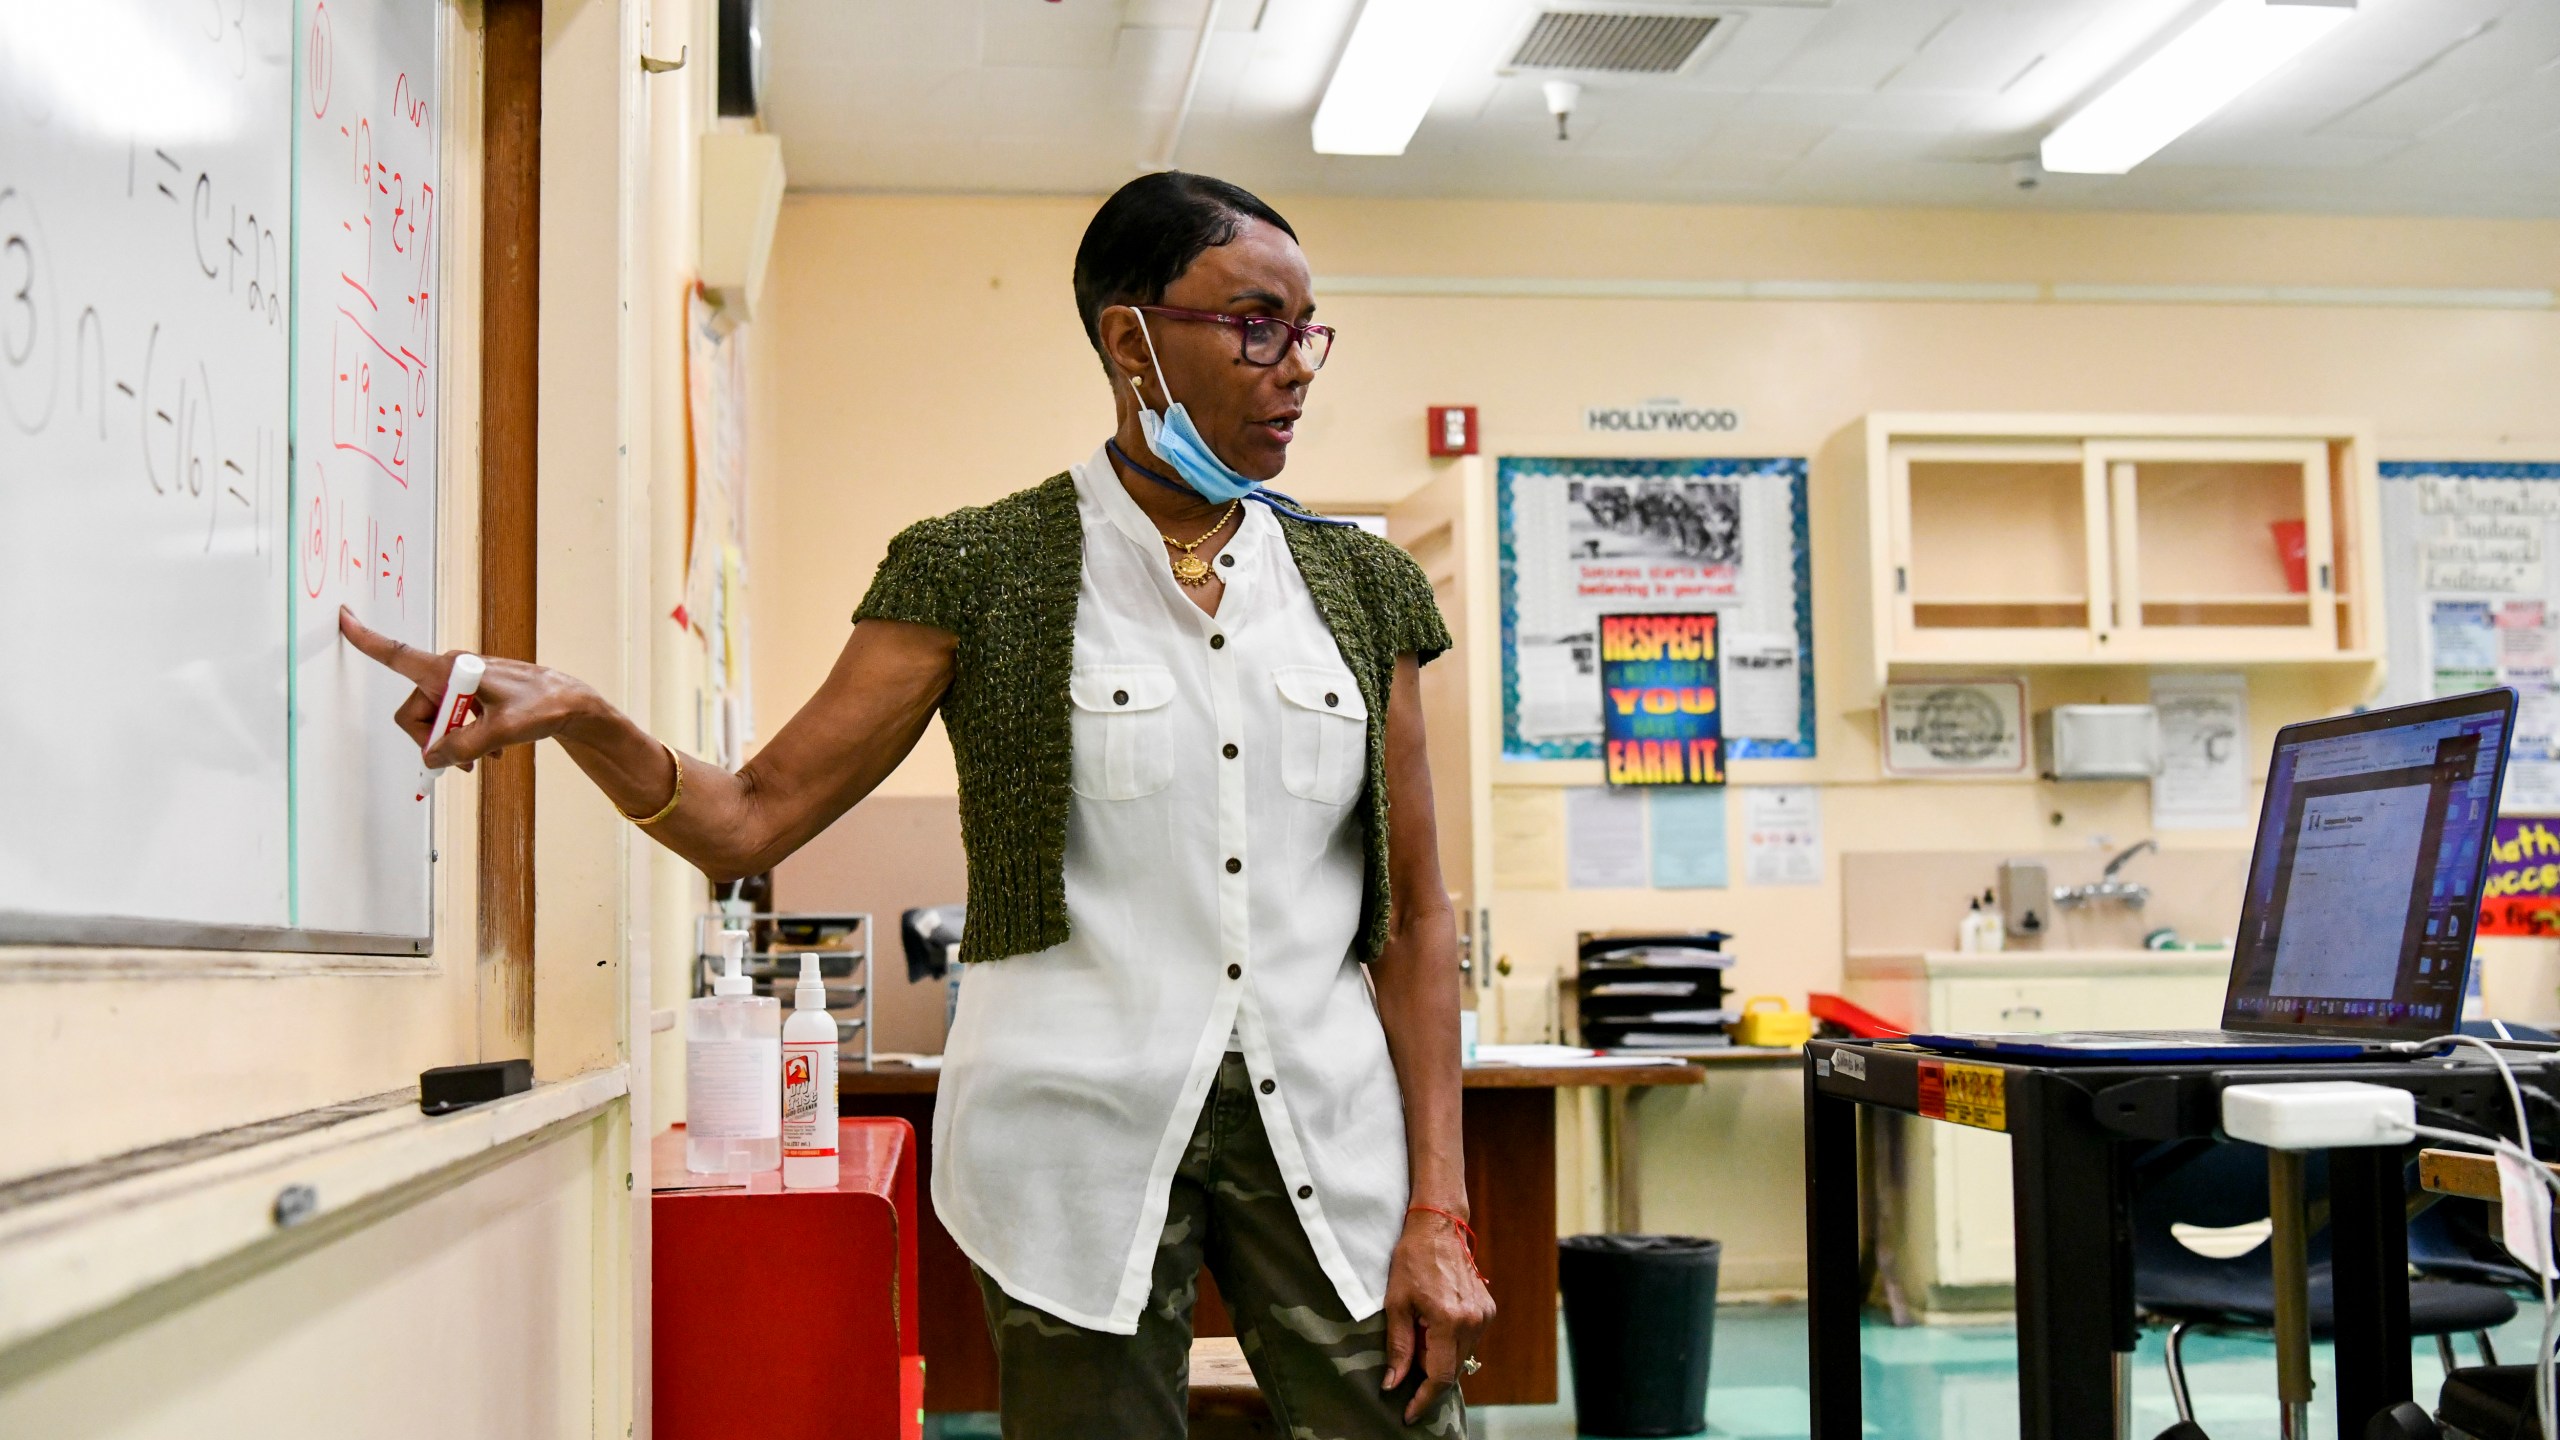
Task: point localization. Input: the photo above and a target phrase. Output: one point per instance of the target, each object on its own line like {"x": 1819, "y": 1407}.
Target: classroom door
{"x": 1447, "y": 526}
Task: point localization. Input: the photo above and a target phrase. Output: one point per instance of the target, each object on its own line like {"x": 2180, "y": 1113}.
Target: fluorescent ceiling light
{"x": 2234, "y": 46}
{"x": 1399, "y": 52}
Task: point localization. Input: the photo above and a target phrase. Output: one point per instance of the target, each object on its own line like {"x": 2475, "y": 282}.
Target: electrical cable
{"x": 2521, "y": 1148}
{"x": 2543, "y": 1369}
{"x": 2420, "y": 1047}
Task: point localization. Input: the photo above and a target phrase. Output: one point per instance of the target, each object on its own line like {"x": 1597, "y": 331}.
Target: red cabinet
{"x": 788, "y": 1312}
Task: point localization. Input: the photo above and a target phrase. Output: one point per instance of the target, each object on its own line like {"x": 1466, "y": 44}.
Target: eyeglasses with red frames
{"x": 1262, "y": 339}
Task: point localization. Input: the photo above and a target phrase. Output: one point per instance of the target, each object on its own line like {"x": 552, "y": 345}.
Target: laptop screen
{"x": 2364, "y": 888}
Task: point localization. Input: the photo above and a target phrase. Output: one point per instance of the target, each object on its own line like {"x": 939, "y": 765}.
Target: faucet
{"x": 2131, "y": 894}
{"x": 2125, "y": 856}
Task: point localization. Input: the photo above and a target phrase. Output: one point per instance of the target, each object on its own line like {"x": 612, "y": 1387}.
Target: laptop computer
{"x": 2363, "y": 892}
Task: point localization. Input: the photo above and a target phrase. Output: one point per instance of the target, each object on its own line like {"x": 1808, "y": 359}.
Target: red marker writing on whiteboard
{"x": 459, "y": 706}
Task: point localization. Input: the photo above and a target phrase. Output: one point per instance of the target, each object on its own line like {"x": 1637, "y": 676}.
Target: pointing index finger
{"x": 422, "y": 668}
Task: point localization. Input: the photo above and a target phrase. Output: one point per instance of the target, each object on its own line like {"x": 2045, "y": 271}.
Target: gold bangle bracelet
{"x": 670, "y": 807}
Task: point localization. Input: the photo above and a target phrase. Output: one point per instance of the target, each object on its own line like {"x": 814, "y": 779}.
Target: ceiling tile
{"x": 1922, "y": 102}
{"x": 1859, "y": 47}
{"x": 1747, "y": 149}
{"x": 1042, "y": 34}
{"x": 1984, "y": 48}
{"x": 1755, "y": 46}
{"x": 1237, "y": 15}
{"x": 930, "y": 35}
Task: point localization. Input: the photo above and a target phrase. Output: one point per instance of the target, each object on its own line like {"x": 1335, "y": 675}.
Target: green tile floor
{"x": 1960, "y": 1382}
{"x": 1955, "y": 1382}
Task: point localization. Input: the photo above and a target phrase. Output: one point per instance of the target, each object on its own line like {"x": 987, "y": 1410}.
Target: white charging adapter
{"x": 2319, "y": 1115}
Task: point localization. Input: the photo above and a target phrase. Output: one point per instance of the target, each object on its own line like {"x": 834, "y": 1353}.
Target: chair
{"x": 927, "y": 934}
{"x": 2452, "y": 1240}
{"x": 2219, "y": 1185}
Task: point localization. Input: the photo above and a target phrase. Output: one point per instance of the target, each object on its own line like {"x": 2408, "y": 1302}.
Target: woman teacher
{"x": 1217, "y": 1014}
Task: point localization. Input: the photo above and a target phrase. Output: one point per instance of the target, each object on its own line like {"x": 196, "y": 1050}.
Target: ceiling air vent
{"x": 1624, "y": 41}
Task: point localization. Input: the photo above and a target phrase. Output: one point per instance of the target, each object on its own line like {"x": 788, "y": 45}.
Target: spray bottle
{"x": 732, "y": 1072}
{"x": 809, "y": 1086}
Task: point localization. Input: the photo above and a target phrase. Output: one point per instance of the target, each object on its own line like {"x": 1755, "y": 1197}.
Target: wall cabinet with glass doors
{"x": 2090, "y": 540}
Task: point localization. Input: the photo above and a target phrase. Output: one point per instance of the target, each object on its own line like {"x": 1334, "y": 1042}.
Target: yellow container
{"x": 1767, "y": 1021}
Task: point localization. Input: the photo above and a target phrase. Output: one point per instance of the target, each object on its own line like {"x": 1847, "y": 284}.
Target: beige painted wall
{"x": 468, "y": 1310}
{"x": 681, "y": 106}
{"x": 924, "y": 354}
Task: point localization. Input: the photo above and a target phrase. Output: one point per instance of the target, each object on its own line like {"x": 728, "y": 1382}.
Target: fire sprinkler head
{"x": 1562, "y": 96}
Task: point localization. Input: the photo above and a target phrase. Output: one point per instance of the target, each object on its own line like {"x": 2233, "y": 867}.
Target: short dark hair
{"x": 1150, "y": 231}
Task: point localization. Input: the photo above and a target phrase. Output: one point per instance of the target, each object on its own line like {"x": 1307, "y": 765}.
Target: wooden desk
{"x": 1510, "y": 1134}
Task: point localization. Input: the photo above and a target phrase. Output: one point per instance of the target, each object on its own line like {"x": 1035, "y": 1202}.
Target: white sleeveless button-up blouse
{"x": 1213, "y": 876}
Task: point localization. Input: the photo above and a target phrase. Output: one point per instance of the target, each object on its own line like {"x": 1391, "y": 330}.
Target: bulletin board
{"x": 2472, "y": 599}
{"x": 1579, "y": 538}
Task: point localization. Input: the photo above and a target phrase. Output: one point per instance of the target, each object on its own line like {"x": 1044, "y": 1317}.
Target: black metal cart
{"x": 2073, "y": 1131}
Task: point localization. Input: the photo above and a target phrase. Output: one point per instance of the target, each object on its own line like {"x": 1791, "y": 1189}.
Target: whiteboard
{"x": 184, "y": 757}
{"x": 364, "y": 491}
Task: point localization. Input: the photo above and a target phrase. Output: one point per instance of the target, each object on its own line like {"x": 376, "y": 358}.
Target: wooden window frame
{"x": 510, "y": 358}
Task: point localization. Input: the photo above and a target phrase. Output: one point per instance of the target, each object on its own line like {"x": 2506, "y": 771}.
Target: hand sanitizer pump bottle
{"x": 732, "y": 1072}
{"x": 809, "y": 1086}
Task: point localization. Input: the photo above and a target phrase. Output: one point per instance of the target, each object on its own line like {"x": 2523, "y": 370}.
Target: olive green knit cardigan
{"x": 1003, "y": 578}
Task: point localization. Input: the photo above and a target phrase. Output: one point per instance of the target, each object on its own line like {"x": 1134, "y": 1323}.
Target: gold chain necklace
{"x": 1189, "y": 568}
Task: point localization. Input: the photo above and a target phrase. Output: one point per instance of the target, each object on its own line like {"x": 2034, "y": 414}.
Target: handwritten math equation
{"x": 107, "y": 366}
{"x": 368, "y": 275}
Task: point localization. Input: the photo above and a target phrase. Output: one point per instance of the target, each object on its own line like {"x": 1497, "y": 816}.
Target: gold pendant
{"x": 1191, "y": 570}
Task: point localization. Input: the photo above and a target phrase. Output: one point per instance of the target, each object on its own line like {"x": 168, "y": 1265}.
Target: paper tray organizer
{"x": 1654, "y": 991}
{"x": 842, "y": 943}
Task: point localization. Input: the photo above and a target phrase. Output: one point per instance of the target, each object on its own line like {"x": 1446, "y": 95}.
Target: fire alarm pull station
{"x": 1453, "y": 429}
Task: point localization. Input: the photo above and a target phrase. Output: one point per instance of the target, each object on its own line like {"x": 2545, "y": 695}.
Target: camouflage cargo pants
{"x": 1319, "y": 1369}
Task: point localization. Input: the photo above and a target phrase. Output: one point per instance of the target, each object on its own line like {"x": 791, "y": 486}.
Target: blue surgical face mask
{"x": 1177, "y": 441}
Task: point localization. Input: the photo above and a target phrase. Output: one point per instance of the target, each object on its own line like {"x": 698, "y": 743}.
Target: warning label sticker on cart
{"x": 1975, "y": 1095}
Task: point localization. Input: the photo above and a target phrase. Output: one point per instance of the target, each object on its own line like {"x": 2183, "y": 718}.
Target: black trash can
{"x": 1640, "y": 1324}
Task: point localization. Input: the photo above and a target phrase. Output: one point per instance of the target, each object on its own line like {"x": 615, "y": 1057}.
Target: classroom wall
{"x": 467, "y": 1310}
{"x": 924, "y": 354}
{"x": 681, "y": 109}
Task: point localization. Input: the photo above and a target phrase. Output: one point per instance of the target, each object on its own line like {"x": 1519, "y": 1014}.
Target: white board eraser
{"x": 2319, "y": 1115}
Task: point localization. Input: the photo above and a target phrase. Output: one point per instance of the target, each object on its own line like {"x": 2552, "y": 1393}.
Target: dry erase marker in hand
{"x": 459, "y": 688}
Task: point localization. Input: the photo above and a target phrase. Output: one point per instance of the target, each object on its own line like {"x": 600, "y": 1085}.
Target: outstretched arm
{"x": 852, "y": 733}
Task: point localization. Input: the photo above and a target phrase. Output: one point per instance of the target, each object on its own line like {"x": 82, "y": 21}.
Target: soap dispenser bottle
{"x": 1995, "y": 931}
{"x": 809, "y": 1085}
{"x": 732, "y": 1072}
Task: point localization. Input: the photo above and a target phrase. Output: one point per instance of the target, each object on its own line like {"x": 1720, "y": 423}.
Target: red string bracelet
{"x": 1466, "y": 1234}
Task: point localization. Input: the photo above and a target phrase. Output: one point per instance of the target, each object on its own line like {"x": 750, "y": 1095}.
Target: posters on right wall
{"x": 2471, "y": 598}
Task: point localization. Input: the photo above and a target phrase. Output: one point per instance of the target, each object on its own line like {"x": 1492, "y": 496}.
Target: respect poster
{"x": 1659, "y": 717}
{"x": 2520, "y": 894}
